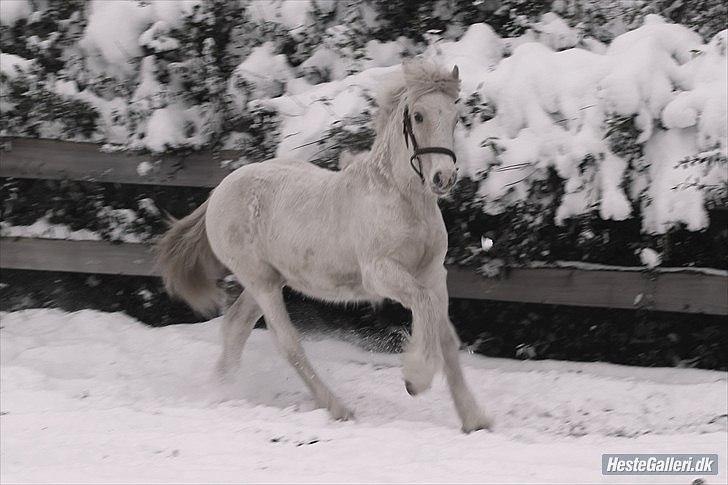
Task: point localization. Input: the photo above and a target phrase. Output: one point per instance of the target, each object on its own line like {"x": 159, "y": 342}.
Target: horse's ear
{"x": 456, "y": 73}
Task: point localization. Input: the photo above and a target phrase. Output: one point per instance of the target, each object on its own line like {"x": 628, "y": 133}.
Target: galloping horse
{"x": 368, "y": 232}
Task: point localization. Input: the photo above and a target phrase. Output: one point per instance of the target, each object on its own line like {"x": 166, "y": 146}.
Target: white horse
{"x": 370, "y": 231}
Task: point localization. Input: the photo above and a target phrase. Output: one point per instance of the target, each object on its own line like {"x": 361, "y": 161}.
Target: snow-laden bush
{"x": 574, "y": 112}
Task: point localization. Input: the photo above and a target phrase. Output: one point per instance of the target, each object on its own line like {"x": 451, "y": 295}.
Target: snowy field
{"x": 99, "y": 398}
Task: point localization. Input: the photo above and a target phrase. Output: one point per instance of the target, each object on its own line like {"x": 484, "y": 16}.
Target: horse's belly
{"x": 336, "y": 286}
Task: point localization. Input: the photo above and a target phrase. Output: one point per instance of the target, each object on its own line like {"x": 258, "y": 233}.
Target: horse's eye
{"x": 418, "y": 117}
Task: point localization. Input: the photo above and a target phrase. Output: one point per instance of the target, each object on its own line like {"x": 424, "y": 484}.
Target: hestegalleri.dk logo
{"x": 659, "y": 464}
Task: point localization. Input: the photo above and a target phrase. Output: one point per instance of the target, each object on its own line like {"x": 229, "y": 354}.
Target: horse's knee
{"x": 449, "y": 340}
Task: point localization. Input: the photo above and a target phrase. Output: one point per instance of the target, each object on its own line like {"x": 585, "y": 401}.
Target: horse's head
{"x": 428, "y": 123}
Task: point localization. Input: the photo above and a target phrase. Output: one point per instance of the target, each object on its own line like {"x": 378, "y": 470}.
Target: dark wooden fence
{"x": 666, "y": 289}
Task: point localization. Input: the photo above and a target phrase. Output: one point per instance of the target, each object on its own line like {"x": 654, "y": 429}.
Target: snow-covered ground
{"x": 96, "y": 397}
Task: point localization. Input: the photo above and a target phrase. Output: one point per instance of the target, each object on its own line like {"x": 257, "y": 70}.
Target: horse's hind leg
{"x": 237, "y": 324}
{"x": 288, "y": 339}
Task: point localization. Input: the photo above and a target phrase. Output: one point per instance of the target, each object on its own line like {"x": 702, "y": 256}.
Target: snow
{"x": 172, "y": 11}
{"x": 171, "y": 124}
{"x": 609, "y": 267}
{"x": 149, "y": 93}
{"x": 144, "y": 168}
{"x": 385, "y": 54}
{"x": 266, "y": 72}
{"x": 42, "y": 228}
{"x": 305, "y": 117}
{"x": 555, "y": 32}
{"x": 120, "y": 220}
{"x": 292, "y": 14}
{"x": 156, "y": 38}
{"x": 13, "y": 10}
{"x": 668, "y": 206}
{"x": 551, "y": 109}
{"x": 476, "y": 53}
{"x": 650, "y": 258}
{"x": 113, "y": 112}
{"x": 12, "y": 65}
{"x": 486, "y": 243}
{"x": 148, "y": 204}
{"x": 94, "y": 397}
{"x": 165, "y": 129}
{"x": 112, "y": 44}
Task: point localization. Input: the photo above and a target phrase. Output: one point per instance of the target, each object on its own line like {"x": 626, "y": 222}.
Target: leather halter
{"x": 416, "y": 150}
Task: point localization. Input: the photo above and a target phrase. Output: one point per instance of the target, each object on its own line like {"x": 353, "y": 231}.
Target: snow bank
{"x": 87, "y": 394}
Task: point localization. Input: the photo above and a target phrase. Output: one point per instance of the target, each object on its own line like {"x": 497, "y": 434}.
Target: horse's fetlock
{"x": 418, "y": 371}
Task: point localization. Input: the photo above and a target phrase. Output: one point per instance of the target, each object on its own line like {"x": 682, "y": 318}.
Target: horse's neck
{"x": 387, "y": 167}
{"x": 387, "y": 163}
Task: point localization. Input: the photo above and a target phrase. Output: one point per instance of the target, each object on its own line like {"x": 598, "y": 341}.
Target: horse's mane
{"x": 420, "y": 77}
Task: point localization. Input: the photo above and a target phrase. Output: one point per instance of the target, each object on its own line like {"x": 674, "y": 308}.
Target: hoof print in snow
{"x": 310, "y": 442}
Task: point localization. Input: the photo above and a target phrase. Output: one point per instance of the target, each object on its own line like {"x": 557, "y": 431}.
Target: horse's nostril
{"x": 438, "y": 180}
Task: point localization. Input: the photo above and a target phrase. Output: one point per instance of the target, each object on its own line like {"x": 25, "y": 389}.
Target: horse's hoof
{"x": 482, "y": 423}
{"x": 410, "y": 388}
{"x": 341, "y": 413}
{"x": 417, "y": 373}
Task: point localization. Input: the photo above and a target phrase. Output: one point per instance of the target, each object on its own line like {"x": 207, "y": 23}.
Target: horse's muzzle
{"x": 442, "y": 182}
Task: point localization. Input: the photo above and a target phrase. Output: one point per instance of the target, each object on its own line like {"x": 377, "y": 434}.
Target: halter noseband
{"x": 416, "y": 150}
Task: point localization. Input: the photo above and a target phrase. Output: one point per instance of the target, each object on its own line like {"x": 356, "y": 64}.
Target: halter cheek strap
{"x": 409, "y": 135}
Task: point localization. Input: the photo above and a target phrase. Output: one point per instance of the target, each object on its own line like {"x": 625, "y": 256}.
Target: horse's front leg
{"x": 423, "y": 357}
{"x": 470, "y": 413}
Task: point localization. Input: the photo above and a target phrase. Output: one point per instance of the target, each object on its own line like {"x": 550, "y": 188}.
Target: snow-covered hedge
{"x": 571, "y": 110}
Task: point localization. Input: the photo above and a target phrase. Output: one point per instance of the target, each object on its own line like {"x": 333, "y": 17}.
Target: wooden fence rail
{"x": 674, "y": 291}
{"x": 61, "y": 160}
{"x": 677, "y": 289}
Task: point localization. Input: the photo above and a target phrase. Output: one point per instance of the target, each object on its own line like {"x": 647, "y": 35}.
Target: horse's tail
{"x": 189, "y": 268}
